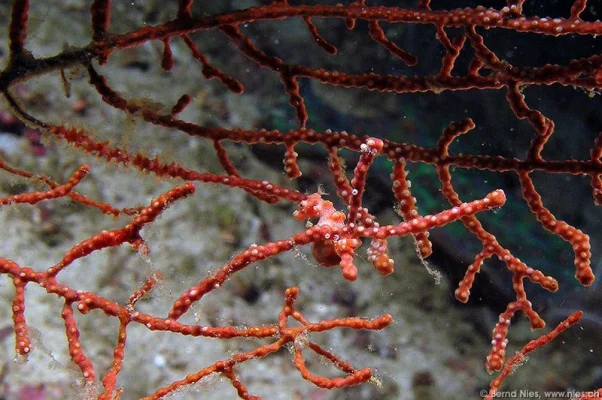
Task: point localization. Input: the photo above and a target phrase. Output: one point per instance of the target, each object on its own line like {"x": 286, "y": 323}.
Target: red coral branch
{"x": 336, "y": 235}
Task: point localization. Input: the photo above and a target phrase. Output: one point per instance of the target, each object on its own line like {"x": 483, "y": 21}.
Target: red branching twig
{"x": 336, "y": 235}
{"x": 530, "y": 347}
